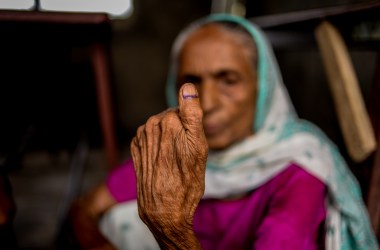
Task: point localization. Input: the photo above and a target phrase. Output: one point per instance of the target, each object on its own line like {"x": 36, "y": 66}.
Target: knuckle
{"x": 152, "y": 121}
{"x": 133, "y": 149}
{"x": 198, "y": 115}
{"x": 169, "y": 118}
{"x": 197, "y": 112}
{"x": 195, "y": 115}
{"x": 134, "y": 143}
{"x": 140, "y": 130}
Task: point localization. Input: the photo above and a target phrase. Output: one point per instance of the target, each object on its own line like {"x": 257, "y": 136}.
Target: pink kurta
{"x": 287, "y": 212}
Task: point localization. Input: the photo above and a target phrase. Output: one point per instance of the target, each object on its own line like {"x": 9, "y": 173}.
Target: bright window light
{"x": 116, "y": 8}
{"x": 16, "y": 4}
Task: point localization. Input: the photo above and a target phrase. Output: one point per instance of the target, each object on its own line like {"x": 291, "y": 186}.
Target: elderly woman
{"x": 271, "y": 181}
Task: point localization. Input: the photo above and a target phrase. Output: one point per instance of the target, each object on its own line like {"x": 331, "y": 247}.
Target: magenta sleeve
{"x": 121, "y": 182}
{"x": 295, "y": 216}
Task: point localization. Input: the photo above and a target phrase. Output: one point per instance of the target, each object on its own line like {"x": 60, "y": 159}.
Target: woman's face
{"x": 222, "y": 70}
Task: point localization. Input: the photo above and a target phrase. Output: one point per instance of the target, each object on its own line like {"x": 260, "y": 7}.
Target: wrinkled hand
{"x": 169, "y": 153}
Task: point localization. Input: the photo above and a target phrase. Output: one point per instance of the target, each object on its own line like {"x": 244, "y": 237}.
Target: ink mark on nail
{"x": 190, "y": 96}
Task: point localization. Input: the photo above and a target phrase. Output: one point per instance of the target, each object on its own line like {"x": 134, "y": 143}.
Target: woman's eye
{"x": 230, "y": 81}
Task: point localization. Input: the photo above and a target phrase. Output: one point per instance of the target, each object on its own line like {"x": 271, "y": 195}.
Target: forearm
{"x": 86, "y": 230}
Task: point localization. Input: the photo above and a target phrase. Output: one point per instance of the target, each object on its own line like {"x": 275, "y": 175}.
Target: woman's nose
{"x": 208, "y": 96}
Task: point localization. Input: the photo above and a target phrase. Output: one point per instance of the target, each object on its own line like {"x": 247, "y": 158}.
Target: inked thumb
{"x": 190, "y": 111}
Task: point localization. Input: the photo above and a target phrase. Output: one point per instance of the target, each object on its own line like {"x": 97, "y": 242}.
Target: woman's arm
{"x": 169, "y": 154}
{"x": 85, "y": 214}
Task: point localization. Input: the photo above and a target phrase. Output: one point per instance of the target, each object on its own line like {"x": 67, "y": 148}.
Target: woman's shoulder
{"x": 295, "y": 185}
{"x": 295, "y": 174}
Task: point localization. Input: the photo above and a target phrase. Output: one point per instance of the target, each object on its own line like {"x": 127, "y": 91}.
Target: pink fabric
{"x": 121, "y": 182}
{"x": 287, "y": 212}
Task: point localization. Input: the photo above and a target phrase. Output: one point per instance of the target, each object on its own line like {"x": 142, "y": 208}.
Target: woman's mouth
{"x": 212, "y": 129}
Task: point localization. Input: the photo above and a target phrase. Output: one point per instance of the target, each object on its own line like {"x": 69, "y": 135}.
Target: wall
{"x": 140, "y": 51}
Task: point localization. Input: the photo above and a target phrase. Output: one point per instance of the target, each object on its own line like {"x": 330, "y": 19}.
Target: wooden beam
{"x": 352, "y": 115}
{"x": 294, "y": 17}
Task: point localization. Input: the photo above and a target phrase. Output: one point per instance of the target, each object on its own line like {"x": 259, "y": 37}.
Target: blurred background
{"x": 75, "y": 85}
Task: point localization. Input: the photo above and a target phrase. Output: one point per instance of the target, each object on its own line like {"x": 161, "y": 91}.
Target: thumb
{"x": 190, "y": 111}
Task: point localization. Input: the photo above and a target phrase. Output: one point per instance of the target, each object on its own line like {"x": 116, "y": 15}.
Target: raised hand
{"x": 169, "y": 154}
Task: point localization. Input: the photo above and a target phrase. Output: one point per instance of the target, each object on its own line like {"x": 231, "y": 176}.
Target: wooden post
{"x": 99, "y": 60}
{"x": 352, "y": 115}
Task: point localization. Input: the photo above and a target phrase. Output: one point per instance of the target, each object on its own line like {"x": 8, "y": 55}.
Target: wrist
{"x": 178, "y": 238}
{"x": 176, "y": 235}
